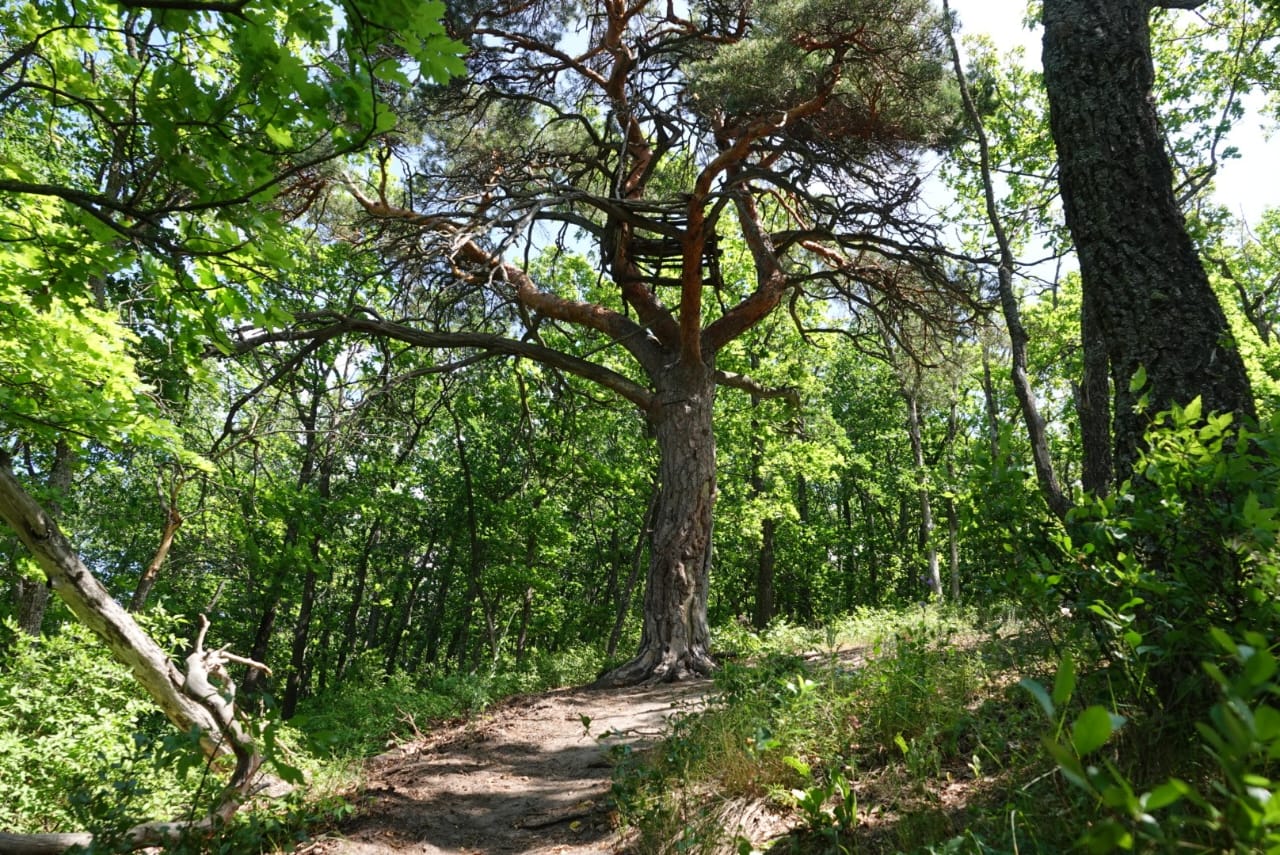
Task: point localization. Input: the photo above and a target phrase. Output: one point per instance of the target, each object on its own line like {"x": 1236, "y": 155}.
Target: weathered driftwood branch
{"x": 202, "y": 698}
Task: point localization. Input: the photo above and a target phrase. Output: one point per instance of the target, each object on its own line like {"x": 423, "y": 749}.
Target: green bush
{"x": 1234, "y": 803}
{"x": 1186, "y": 545}
{"x": 70, "y": 714}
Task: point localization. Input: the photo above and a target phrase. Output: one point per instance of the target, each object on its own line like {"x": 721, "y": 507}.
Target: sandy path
{"x": 525, "y": 777}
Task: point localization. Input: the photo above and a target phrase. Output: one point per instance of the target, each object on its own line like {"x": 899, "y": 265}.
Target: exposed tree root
{"x": 652, "y": 667}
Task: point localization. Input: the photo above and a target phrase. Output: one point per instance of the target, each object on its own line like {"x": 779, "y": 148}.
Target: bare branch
{"x": 369, "y": 324}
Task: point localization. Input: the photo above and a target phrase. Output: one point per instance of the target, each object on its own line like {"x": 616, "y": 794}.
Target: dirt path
{"x": 526, "y": 777}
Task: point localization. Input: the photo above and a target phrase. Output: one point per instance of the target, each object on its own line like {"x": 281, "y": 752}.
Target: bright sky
{"x": 1246, "y": 185}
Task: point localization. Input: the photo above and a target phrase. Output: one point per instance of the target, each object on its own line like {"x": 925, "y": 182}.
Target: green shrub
{"x": 70, "y": 714}
{"x": 1234, "y": 803}
{"x": 1188, "y": 544}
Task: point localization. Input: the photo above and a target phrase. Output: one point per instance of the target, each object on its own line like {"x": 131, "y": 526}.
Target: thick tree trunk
{"x": 675, "y": 642}
{"x": 1093, "y": 407}
{"x": 1139, "y": 267}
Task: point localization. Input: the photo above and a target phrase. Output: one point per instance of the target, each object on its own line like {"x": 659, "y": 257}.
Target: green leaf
{"x": 1164, "y": 795}
{"x": 282, "y": 137}
{"x": 1042, "y": 697}
{"x": 1138, "y": 380}
{"x": 1091, "y": 730}
{"x": 1259, "y": 667}
{"x": 1068, "y": 765}
{"x": 1065, "y": 683}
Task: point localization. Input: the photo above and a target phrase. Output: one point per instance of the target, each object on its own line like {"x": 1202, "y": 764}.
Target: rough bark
{"x": 1139, "y": 268}
{"x": 675, "y": 640}
{"x": 1093, "y": 407}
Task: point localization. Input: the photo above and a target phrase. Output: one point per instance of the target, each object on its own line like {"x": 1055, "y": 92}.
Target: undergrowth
{"x": 886, "y": 731}
{"x": 82, "y": 748}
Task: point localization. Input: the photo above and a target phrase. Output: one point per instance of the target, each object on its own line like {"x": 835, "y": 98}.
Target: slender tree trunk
{"x": 522, "y": 639}
{"x": 766, "y": 558}
{"x": 933, "y": 577}
{"x": 33, "y": 594}
{"x": 172, "y": 522}
{"x": 953, "y": 518}
{"x": 406, "y": 619}
{"x": 675, "y": 641}
{"x": 296, "y": 683}
{"x": 261, "y": 647}
{"x": 991, "y": 409}
{"x": 293, "y": 684}
{"x": 1140, "y": 270}
{"x": 1050, "y": 489}
{"x": 357, "y": 598}
{"x": 873, "y": 548}
{"x": 644, "y": 536}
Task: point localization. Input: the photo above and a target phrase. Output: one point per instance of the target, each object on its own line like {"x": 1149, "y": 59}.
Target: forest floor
{"x": 531, "y": 775}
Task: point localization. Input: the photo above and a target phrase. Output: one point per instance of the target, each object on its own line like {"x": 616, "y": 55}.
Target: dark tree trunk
{"x": 764, "y": 574}
{"x": 33, "y": 594}
{"x": 675, "y": 641}
{"x": 262, "y": 643}
{"x": 405, "y": 620}
{"x": 1139, "y": 267}
{"x": 357, "y": 598}
{"x": 1093, "y": 407}
{"x": 293, "y": 685}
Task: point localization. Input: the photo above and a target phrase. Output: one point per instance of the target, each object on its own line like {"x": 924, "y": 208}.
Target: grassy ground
{"x": 884, "y": 732}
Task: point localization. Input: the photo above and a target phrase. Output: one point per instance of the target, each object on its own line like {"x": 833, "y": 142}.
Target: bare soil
{"x": 532, "y": 775}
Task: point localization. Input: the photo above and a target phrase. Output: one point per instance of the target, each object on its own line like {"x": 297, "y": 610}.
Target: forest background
{"x": 413, "y": 345}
